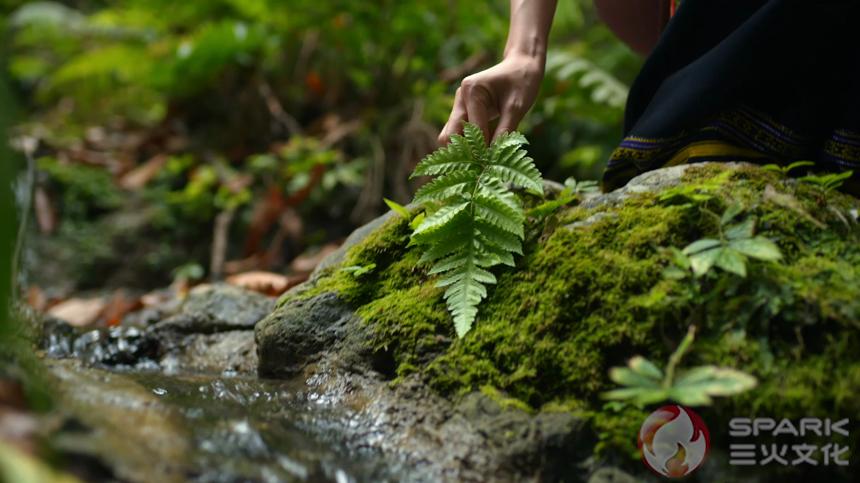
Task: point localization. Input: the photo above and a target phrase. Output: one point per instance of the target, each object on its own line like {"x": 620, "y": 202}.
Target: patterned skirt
{"x": 765, "y": 81}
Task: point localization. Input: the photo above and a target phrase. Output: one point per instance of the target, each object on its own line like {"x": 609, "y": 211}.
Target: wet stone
{"x": 218, "y": 308}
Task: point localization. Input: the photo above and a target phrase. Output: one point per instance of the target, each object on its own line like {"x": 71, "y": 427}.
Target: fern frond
{"x": 456, "y": 156}
{"x": 475, "y": 140}
{"x": 446, "y": 186}
{"x": 465, "y": 291}
{"x": 443, "y": 216}
{"x": 510, "y": 163}
{"x": 499, "y": 237}
{"x": 499, "y": 214}
{"x": 480, "y": 223}
{"x": 439, "y": 244}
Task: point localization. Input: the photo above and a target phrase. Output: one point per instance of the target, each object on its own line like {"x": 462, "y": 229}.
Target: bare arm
{"x": 639, "y": 23}
{"x": 507, "y": 90}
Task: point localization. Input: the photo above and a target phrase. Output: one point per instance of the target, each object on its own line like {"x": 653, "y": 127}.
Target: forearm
{"x": 531, "y": 21}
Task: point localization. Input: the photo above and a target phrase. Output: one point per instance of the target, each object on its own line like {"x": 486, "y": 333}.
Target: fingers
{"x": 478, "y": 107}
{"x": 508, "y": 122}
{"x": 455, "y": 121}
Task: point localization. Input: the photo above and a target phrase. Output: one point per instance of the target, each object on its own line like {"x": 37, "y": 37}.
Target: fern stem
{"x": 676, "y": 356}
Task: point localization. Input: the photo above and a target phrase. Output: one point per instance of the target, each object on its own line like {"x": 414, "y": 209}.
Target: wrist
{"x": 531, "y": 62}
{"x": 532, "y": 47}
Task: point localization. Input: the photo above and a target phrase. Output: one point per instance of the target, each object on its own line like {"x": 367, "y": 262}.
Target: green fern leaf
{"x": 474, "y": 221}
{"x": 446, "y": 186}
{"x": 499, "y": 214}
{"x": 457, "y": 156}
{"x": 475, "y": 140}
{"x": 437, "y": 220}
{"x": 510, "y": 163}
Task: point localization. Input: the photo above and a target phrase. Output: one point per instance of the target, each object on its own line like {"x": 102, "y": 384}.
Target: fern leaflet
{"x": 474, "y": 221}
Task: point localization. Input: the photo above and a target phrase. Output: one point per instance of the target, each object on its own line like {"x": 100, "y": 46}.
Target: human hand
{"x": 505, "y": 92}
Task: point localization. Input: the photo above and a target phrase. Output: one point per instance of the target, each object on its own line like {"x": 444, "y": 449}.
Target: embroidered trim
{"x": 742, "y": 134}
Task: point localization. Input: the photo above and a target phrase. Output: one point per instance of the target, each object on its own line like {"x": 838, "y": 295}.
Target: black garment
{"x": 772, "y": 81}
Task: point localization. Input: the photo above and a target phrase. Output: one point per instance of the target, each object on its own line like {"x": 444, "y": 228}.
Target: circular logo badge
{"x": 674, "y": 441}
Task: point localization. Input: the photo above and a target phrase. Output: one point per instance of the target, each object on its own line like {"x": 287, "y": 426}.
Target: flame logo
{"x": 674, "y": 441}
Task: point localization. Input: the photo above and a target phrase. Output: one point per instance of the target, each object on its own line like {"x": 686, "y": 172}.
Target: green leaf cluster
{"x": 731, "y": 250}
{"x": 827, "y": 182}
{"x": 645, "y": 383}
{"x": 474, "y": 221}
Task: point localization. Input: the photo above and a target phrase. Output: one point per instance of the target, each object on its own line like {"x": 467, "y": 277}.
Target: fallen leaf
{"x": 157, "y": 298}
{"x": 264, "y": 282}
{"x": 141, "y": 175}
{"x": 118, "y": 306}
{"x": 36, "y": 298}
{"x": 78, "y": 312}
{"x": 308, "y": 261}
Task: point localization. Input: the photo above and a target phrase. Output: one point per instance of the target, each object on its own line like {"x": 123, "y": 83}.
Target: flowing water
{"x": 148, "y": 426}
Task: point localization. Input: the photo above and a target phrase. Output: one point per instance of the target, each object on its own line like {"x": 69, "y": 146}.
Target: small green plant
{"x": 189, "y": 271}
{"x": 473, "y": 221}
{"x": 787, "y": 169}
{"x": 827, "y": 182}
{"x": 645, "y": 383}
{"x": 573, "y": 191}
{"x": 586, "y": 186}
{"x": 398, "y": 208}
{"x": 686, "y": 194}
{"x": 731, "y": 251}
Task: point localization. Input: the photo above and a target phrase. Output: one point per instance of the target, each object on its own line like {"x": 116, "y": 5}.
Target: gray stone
{"x": 225, "y": 352}
{"x": 300, "y": 331}
{"x": 218, "y": 308}
{"x": 649, "y": 182}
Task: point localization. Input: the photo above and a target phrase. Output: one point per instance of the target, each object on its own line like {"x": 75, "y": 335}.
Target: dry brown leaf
{"x": 157, "y": 298}
{"x": 141, "y": 175}
{"x": 78, "y": 312}
{"x": 307, "y": 262}
{"x": 118, "y": 306}
{"x": 264, "y": 282}
{"x": 36, "y": 298}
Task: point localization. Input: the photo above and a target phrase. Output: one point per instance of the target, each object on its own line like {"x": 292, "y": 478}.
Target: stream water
{"x": 148, "y": 426}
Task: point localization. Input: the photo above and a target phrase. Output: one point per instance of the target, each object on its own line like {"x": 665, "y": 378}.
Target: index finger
{"x": 455, "y": 120}
{"x": 477, "y": 107}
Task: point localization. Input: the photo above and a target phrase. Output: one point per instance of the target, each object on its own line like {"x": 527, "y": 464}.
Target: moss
{"x": 583, "y": 299}
{"x": 505, "y": 401}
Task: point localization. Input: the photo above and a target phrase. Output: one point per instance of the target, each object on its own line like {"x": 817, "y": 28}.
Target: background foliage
{"x": 286, "y": 121}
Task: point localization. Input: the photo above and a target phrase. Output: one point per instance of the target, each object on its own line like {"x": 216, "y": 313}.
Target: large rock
{"x": 589, "y": 292}
{"x": 218, "y": 308}
{"x": 210, "y": 331}
{"x": 303, "y": 331}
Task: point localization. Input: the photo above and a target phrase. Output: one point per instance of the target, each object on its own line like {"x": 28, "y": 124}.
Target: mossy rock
{"x": 590, "y": 292}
